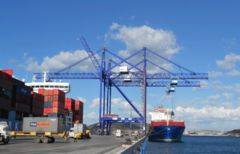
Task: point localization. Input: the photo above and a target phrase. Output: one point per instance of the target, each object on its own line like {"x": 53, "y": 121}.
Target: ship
{"x": 163, "y": 127}
{"x": 48, "y": 84}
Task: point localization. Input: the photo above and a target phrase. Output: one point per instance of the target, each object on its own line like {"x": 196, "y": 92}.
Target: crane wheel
{"x": 6, "y": 140}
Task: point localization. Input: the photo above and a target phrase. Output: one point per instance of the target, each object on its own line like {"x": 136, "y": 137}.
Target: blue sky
{"x": 204, "y": 35}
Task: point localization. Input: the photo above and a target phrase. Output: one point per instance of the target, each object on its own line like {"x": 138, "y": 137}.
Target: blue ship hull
{"x": 166, "y": 133}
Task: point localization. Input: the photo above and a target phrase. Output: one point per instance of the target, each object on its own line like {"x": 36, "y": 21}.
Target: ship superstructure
{"x": 48, "y": 85}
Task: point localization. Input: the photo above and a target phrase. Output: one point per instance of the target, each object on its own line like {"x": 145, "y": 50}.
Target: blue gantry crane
{"x": 115, "y": 71}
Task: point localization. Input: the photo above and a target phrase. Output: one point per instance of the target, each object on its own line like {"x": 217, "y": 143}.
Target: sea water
{"x": 197, "y": 145}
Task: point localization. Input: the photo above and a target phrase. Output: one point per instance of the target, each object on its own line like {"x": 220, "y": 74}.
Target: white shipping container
{"x": 79, "y": 128}
{"x": 43, "y": 124}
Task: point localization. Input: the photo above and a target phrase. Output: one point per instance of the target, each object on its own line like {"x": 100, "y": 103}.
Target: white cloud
{"x": 233, "y": 88}
{"x": 208, "y": 112}
{"x": 213, "y": 98}
{"x": 66, "y": 58}
{"x": 229, "y": 61}
{"x": 209, "y": 115}
{"x": 234, "y": 72}
{"x": 119, "y": 106}
{"x": 84, "y": 100}
{"x": 214, "y": 74}
{"x": 229, "y": 65}
{"x": 203, "y": 85}
{"x": 60, "y": 61}
{"x": 135, "y": 38}
{"x": 227, "y": 95}
{"x": 91, "y": 117}
{"x": 31, "y": 64}
{"x": 123, "y": 108}
{"x": 95, "y": 103}
{"x": 120, "y": 103}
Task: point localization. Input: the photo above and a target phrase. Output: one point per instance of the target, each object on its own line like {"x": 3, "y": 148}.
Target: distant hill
{"x": 235, "y": 132}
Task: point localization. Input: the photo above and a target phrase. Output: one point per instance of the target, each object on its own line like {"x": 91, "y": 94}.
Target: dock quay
{"x": 95, "y": 145}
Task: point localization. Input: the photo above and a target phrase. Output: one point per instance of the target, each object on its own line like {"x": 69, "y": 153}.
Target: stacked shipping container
{"x": 21, "y": 97}
{"x": 15, "y": 99}
{"x": 53, "y": 102}
{"x": 78, "y": 113}
{"x": 37, "y": 104}
{"x": 70, "y": 104}
{"x": 6, "y": 88}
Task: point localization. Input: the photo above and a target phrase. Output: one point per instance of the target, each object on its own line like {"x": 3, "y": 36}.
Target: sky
{"x": 202, "y": 36}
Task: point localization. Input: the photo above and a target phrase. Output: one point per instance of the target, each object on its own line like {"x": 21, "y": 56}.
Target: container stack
{"x": 22, "y": 97}
{"x": 78, "y": 113}
{"x": 54, "y": 101}
{"x": 6, "y": 88}
{"x": 37, "y": 104}
{"x": 69, "y": 104}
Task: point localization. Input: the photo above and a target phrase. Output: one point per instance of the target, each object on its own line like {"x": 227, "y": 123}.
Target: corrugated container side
{"x": 6, "y": 94}
{"x": 22, "y": 108}
{"x": 41, "y": 91}
{"x": 37, "y": 104}
{"x": 5, "y": 104}
{"x": 53, "y": 101}
{"x": 43, "y": 124}
{"x": 70, "y": 104}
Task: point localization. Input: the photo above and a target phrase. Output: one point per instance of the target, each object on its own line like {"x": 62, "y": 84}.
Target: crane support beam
{"x": 168, "y": 60}
{"x": 130, "y": 103}
{"x": 135, "y": 75}
{"x": 69, "y": 75}
{"x": 124, "y": 60}
{"x": 122, "y": 119}
{"x": 91, "y": 55}
{"x": 157, "y": 83}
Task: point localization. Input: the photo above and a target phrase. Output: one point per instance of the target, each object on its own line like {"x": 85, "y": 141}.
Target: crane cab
{"x": 170, "y": 90}
{"x": 174, "y": 82}
{"x": 127, "y": 78}
{"x": 123, "y": 69}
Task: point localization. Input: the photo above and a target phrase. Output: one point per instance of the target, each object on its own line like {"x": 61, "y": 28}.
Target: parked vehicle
{"x": 45, "y": 129}
{"x": 4, "y": 137}
{"x": 78, "y": 131}
{"x": 119, "y": 133}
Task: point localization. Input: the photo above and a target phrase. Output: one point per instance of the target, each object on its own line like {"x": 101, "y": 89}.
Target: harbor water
{"x": 197, "y": 145}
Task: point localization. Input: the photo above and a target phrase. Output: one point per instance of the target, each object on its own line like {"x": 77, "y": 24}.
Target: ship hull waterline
{"x": 166, "y": 133}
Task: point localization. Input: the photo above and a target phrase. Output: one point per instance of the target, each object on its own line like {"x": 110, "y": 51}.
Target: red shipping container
{"x": 78, "y": 104}
{"x": 57, "y": 104}
{"x": 5, "y": 76}
{"x": 9, "y": 72}
{"x": 69, "y": 104}
{"x": 48, "y": 110}
{"x": 56, "y": 110}
{"x": 41, "y": 91}
{"x": 50, "y": 92}
{"x": 57, "y": 92}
